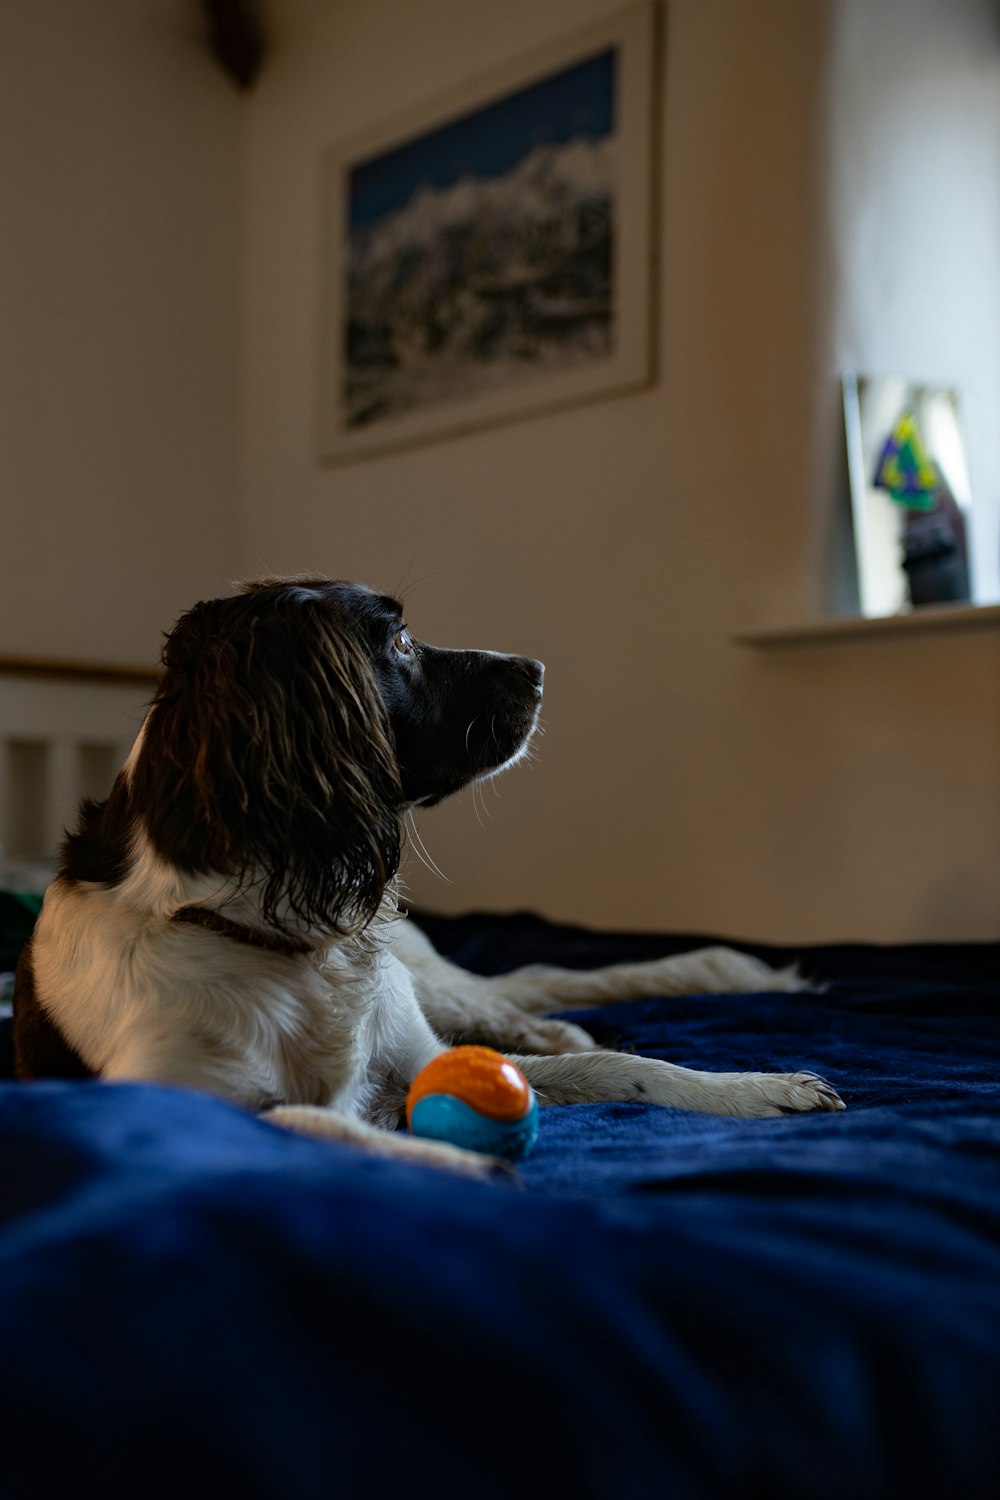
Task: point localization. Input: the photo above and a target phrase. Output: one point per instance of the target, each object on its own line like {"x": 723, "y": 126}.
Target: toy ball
{"x": 476, "y": 1098}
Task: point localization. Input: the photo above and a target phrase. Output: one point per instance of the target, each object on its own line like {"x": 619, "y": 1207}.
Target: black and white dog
{"x": 227, "y": 919}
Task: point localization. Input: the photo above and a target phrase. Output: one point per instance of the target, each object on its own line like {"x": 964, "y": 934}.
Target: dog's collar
{"x": 213, "y": 921}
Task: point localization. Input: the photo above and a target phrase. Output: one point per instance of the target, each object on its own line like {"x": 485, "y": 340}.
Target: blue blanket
{"x": 666, "y": 1303}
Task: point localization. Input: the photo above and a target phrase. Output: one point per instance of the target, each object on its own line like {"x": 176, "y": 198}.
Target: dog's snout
{"x": 533, "y": 670}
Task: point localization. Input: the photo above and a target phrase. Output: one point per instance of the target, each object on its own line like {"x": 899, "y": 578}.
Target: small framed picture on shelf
{"x": 490, "y": 256}
{"x": 910, "y": 493}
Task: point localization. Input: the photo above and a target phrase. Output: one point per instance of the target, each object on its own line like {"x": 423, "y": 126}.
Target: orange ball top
{"x": 485, "y": 1080}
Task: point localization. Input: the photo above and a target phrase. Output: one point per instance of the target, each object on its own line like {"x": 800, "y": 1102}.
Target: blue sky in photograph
{"x": 489, "y": 142}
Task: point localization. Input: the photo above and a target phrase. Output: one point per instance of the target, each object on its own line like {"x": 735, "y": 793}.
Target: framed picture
{"x": 491, "y": 257}
{"x": 911, "y": 500}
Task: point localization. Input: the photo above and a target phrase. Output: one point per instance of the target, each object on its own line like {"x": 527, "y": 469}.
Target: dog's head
{"x": 295, "y": 723}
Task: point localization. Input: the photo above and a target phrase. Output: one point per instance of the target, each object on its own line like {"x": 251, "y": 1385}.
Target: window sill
{"x": 936, "y": 617}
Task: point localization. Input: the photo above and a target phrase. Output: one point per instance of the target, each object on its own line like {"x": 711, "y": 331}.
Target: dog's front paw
{"x": 531, "y": 1034}
{"x": 325, "y": 1124}
{"x": 509, "y": 1029}
{"x": 762, "y": 1094}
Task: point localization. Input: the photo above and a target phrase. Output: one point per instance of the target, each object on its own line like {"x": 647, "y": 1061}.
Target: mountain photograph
{"x": 481, "y": 253}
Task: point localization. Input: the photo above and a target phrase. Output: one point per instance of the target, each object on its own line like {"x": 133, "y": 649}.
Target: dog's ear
{"x": 268, "y": 756}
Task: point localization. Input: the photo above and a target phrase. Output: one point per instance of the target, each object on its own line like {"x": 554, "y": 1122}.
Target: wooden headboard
{"x": 65, "y": 730}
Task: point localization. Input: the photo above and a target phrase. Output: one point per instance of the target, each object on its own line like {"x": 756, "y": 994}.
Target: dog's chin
{"x": 460, "y": 778}
{"x": 519, "y": 753}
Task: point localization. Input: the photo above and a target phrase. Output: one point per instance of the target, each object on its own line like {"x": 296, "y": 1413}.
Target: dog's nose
{"x": 533, "y": 670}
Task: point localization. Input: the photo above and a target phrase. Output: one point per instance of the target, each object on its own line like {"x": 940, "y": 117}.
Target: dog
{"x": 228, "y": 918}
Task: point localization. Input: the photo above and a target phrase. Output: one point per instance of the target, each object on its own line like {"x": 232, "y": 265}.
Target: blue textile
{"x": 664, "y": 1303}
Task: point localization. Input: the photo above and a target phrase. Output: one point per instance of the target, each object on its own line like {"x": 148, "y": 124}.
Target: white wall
{"x": 147, "y": 455}
{"x": 683, "y": 782}
{"x": 120, "y": 158}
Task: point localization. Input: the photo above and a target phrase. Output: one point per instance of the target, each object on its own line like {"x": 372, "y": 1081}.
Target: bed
{"x": 659, "y": 1303}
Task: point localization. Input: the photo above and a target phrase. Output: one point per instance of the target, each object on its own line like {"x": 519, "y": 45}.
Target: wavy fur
{"x": 268, "y": 755}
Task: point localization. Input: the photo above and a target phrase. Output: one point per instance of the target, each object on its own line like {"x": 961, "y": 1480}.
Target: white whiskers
{"x": 421, "y": 850}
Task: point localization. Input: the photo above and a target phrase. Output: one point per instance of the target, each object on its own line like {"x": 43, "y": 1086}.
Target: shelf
{"x": 934, "y": 617}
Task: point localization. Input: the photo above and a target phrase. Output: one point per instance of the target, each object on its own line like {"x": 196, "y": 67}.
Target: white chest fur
{"x": 138, "y": 996}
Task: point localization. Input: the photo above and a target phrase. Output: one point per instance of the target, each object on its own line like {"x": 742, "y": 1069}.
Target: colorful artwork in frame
{"x": 911, "y": 499}
{"x": 492, "y": 257}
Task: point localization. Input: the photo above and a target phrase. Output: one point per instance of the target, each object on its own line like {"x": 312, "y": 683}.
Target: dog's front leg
{"x": 505, "y": 1011}
{"x": 464, "y": 1007}
{"x": 329, "y": 1125}
{"x": 594, "y": 1077}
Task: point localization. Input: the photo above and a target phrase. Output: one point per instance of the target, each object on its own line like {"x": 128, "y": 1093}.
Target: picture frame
{"x": 490, "y": 257}
{"x": 911, "y": 495}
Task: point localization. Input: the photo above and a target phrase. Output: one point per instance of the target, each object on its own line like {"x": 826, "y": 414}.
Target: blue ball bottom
{"x": 441, "y": 1117}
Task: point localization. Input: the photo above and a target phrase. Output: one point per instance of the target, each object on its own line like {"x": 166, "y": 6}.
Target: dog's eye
{"x": 403, "y": 644}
